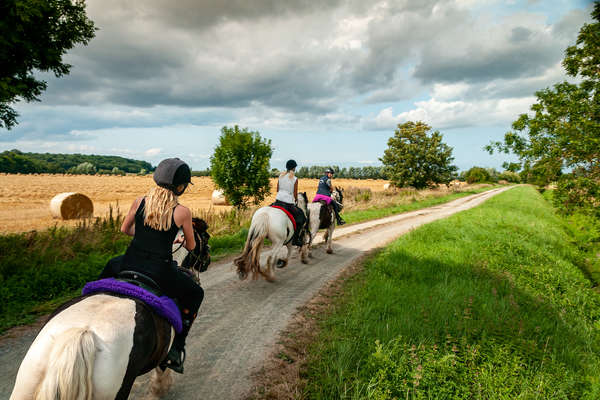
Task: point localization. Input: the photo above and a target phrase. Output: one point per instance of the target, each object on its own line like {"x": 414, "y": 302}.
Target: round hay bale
{"x": 219, "y": 199}
{"x": 71, "y": 205}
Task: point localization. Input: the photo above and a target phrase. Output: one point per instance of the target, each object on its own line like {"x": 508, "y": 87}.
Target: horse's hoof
{"x": 310, "y": 255}
{"x": 270, "y": 278}
{"x": 281, "y": 263}
{"x": 242, "y": 275}
{"x": 329, "y": 251}
{"x": 304, "y": 260}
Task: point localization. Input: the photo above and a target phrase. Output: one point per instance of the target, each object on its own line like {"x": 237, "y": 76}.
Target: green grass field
{"x": 490, "y": 303}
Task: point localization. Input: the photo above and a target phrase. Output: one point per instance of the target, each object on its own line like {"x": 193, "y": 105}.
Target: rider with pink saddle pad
{"x": 324, "y": 194}
{"x": 287, "y": 196}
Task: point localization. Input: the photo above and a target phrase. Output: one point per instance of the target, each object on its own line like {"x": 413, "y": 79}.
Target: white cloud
{"x": 453, "y": 114}
{"x": 152, "y": 152}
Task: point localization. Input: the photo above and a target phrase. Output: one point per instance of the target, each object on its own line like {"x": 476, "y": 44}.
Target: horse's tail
{"x": 69, "y": 372}
{"x": 249, "y": 260}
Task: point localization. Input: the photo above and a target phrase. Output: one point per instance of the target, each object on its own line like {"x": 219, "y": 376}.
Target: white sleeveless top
{"x": 286, "y": 189}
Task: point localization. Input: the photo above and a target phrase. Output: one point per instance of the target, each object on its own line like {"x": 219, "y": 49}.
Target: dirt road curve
{"x": 239, "y": 321}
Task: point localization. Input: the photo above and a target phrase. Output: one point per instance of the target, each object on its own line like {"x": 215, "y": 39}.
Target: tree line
{"x": 15, "y": 161}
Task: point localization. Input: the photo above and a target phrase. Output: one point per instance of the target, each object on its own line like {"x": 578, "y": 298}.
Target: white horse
{"x": 93, "y": 347}
{"x": 321, "y": 216}
{"x": 272, "y": 223}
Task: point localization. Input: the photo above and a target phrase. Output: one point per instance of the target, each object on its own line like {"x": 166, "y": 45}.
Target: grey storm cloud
{"x": 296, "y": 56}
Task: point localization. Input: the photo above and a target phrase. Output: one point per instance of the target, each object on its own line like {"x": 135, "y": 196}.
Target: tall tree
{"x": 240, "y": 166}
{"x": 562, "y": 134}
{"x": 415, "y": 158}
{"x": 34, "y": 35}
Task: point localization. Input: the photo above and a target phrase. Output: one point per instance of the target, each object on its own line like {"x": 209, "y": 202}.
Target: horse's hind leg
{"x": 271, "y": 261}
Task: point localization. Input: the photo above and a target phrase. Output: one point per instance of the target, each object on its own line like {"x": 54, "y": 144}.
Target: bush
{"x": 240, "y": 166}
{"x": 510, "y": 176}
{"x": 476, "y": 175}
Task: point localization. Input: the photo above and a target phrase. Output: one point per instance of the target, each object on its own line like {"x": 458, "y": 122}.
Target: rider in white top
{"x": 287, "y": 195}
{"x": 287, "y": 186}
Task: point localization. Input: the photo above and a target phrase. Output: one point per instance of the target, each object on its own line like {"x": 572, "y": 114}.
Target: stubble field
{"x": 25, "y": 199}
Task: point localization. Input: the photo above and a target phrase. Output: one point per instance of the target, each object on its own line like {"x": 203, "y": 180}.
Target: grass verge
{"x": 488, "y": 303}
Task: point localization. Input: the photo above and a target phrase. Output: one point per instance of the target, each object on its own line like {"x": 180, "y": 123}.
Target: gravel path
{"x": 240, "y": 321}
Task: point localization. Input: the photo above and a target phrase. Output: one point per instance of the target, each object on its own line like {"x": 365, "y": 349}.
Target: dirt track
{"x": 240, "y": 321}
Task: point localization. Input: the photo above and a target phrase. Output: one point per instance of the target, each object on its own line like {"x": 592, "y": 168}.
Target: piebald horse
{"x": 322, "y": 217}
{"x": 272, "y": 223}
{"x": 93, "y": 347}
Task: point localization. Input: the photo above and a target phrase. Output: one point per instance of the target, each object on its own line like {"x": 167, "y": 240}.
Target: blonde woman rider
{"x": 153, "y": 221}
{"x": 287, "y": 196}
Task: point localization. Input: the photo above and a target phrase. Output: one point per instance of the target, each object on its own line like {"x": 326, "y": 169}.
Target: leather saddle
{"x": 141, "y": 280}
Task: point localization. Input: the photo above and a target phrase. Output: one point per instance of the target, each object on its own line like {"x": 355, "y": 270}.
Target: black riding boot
{"x": 339, "y": 219}
{"x": 176, "y": 356}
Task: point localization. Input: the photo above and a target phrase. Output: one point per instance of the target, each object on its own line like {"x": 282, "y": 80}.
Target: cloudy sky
{"x": 326, "y": 81}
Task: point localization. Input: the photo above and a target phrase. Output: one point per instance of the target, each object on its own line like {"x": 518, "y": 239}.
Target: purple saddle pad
{"x": 163, "y": 305}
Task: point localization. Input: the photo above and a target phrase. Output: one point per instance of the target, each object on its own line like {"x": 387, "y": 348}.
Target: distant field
{"x": 25, "y": 199}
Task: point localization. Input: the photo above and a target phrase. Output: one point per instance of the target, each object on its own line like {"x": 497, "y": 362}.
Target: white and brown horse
{"x": 322, "y": 216}
{"x": 274, "y": 224}
{"x": 93, "y": 347}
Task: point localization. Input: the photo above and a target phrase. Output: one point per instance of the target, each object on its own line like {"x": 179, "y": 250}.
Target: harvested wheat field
{"x": 25, "y": 199}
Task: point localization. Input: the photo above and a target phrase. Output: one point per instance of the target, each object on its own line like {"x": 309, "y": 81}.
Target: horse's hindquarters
{"x": 110, "y": 321}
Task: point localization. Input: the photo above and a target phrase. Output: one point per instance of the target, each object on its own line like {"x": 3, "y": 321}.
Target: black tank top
{"x": 152, "y": 243}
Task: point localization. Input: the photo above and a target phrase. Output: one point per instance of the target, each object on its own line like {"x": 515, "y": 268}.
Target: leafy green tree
{"x": 240, "y": 166}
{"x": 560, "y": 140}
{"x": 476, "y": 175}
{"x": 415, "y": 158}
{"x": 34, "y": 35}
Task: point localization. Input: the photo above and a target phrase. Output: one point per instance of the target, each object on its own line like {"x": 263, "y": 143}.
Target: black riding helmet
{"x": 329, "y": 170}
{"x": 172, "y": 172}
{"x": 291, "y": 164}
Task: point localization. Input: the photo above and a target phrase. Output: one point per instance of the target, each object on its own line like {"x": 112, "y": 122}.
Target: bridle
{"x": 201, "y": 260}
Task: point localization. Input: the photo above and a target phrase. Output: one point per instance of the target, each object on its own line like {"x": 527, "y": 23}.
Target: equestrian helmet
{"x": 172, "y": 172}
{"x": 291, "y": 164}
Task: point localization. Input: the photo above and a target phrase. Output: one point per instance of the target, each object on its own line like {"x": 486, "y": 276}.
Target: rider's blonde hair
{"x": 158, "y": 211}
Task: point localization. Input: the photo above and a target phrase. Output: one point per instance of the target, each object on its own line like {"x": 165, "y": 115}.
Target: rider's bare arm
{"x": 296, "y": 190}
{"x": 183, "y": 219}
{"x": 128, "y": 225}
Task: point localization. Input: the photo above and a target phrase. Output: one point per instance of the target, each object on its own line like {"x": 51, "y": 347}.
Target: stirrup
{"x": 174, "y": 360}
